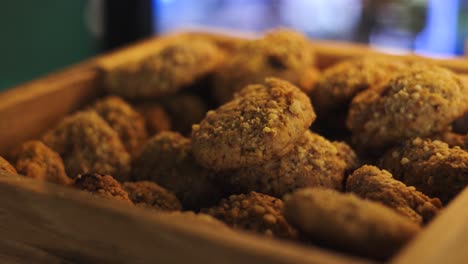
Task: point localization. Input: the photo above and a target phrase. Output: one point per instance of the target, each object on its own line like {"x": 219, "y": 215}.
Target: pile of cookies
{"x": 356, "y": 158}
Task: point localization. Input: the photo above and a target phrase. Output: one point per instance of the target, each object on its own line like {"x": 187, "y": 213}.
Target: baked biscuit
{"x": 369, "y": 182}
{"x": 429, "y": 165}
{"x": 348, "y": 223}
{"x": 313, "y": 162}
{"x": 420, "y": 101}
{"x": 87, "y": 144}
{"x": 255, "y": 212}
{"x": 167, "y": 160}
{"x": 35, "y": 160}
{"x": 261, "y": 123}
{"x": 177, "y": 65}
{"x": 284, "y": 54}
{"x": 101, "y": 185}
{"x": 128, "y": 123}
{"x": 149, "y": 194}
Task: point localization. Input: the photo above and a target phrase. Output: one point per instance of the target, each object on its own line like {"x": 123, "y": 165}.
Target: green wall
{"x": 37, "y": 37}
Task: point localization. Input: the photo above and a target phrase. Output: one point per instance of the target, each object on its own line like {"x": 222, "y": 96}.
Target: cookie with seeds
{"x": 281, "y": 53}
{"x": 149, "y": 194}
{"x": 254, "y": 212}
{"x": 369, "y": 182}
{"x": 313, "y": 162}
{"x": 128, "y": 123}
{"x": 420, "y": 101}
{"x": 261, "y": 123}
{"x": 87, "y": 144}
{"x": 6, "y": 166}
{"x": 348, "y": 223}
{"x": 429, "y": 165}
{"x": 101, "y": 185}
{"x": 35, "y": 160}
{"x": 167, "y": 160}
{"x": 175, "y": 66}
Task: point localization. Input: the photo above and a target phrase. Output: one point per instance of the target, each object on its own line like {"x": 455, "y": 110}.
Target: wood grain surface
{"x": 48, "y": 223}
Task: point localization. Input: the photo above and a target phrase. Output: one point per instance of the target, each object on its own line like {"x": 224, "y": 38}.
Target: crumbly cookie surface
{"x": 369, "y": 182}
{"x": 420, "y": 101}
{"x": 167, "y": 160}
{"x": 429, "y": 165}
{"x": 87, "y": 144}
{"x": 262, "y": 122}
{"x": 339, "y": 83}
{"x": 128, "y": 123}
{"x": 281, "y": 53}
{"x": 349, "y": 223}
{"x": 35, "y": 160}
{"x": 179, "y": 64}
{"x": 313, "y": 162}
{"x": 255, "y": 212}
{"x": 101, "y": 185}
{"x": 149, "y": 194}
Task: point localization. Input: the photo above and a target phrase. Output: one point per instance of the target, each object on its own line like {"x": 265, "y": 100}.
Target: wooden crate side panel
{"x": 56, "y": 222}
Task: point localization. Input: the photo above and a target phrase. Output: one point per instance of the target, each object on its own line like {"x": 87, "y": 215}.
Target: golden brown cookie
{"x": 369, "y": 182}
{"x": 167, "y": 160}
{"x": 128, "y": 123}
{"x": 255, "y": 212}
{"x": 420, "y": 101}
{"x": 35, "y": 160}
{"x": 282, "y": 53}
{"x": 261, "y": 123}
{"x": 185, "y": 110}
{"x": 6, "y": 166}
{"x": 348, "y": 223}
{"x": 429, "y": 165}
{"x": 149, "y": 194}
{"x": 101, "y": 185}
{"x": 339, "y": 83}
{"x": 87, "y": 144}
{"x": 313, "y": 161}
{"x": 179, "y": 64}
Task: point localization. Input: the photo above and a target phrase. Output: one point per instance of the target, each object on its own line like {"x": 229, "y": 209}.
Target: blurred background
{"x": 38, "y": 37}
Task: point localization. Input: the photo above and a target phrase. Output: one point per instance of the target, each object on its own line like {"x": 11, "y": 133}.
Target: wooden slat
{"x": 28, "y": 110}
{"x": 55, "y": 222}
{"x": 445, "y": 240}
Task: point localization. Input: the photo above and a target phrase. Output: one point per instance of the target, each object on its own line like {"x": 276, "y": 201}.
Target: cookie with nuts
{"x": 420, "y": 101}
{"x": 313, "y": 162}
{"x": 262, "y": 122}
{"x": 431, "y": 166}
{"x": 348, "y": 223}
{"x": 255, "y": 212}
{"x": 369, "y": 182}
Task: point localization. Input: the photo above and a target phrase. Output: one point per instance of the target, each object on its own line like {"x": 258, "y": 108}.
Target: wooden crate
{"x": 43, "y": 222}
